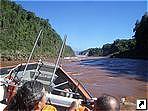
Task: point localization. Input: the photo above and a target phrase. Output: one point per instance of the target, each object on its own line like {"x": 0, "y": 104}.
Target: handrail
{"x": 57, "y": 62}
{"x": 31, "y": 53}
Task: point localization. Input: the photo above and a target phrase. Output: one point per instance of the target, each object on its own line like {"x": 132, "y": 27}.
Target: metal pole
{"x": 62, "y": 55}
{"x": 31, "y": 53}
{"x": 58, "y": 59}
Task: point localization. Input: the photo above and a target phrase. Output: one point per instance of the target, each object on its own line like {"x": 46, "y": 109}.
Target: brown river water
{"x": 117, "y": 77}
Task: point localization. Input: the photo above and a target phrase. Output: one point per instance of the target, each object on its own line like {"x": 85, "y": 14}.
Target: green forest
{"x": 19, "y": 29}
{"x": 136, "y": 47}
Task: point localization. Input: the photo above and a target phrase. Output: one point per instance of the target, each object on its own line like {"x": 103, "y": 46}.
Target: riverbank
{"x": 132, "y": 54}
{"x": 16, "y": 62}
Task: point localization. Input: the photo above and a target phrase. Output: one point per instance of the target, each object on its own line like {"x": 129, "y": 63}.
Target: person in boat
{"x": 106, "y": 103}
{"x": 75, "y": 106}
{"x": 31, "y": 96}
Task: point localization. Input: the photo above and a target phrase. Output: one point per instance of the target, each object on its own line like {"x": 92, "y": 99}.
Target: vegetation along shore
{"x": 19, "y": 29}
{"x": 136, "y": 47}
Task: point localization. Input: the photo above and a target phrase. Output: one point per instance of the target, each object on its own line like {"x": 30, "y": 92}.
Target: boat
{"x": 61, "y": 92}
{"x": 62, "y": 89}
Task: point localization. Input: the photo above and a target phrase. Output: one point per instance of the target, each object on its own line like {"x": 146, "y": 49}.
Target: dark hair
{"x": 27, "y": 96}
{"x": 73, "y": 104}
{"x": 103, "y": 103}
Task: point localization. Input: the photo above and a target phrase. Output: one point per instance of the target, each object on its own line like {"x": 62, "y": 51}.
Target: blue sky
{"x": 89, "y": 23}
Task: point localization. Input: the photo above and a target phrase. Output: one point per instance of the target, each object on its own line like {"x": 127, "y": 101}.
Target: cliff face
{"x": 19, "y": 29}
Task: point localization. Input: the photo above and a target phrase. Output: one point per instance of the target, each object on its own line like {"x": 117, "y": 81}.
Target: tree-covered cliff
{"x": 140, "y": 49}
{"x": 19, "y": 29}
{"x": 137, "y": 47}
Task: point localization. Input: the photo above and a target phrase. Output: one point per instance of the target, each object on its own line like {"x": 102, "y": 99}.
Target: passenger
{"x": 31, "y": 96}
{"x": 106, "y": 103}
{"x": 75, "y": 106}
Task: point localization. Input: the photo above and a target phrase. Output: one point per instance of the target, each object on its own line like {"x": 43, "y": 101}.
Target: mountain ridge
{"x": 19, "y": 29}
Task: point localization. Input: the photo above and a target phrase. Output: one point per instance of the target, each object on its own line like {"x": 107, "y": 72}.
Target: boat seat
{"x": 60, "y": 100}
{"x": 44, "y": 77}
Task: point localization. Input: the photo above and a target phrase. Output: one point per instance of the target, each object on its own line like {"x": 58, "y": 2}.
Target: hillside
{"x": 136, "y": 47}
{"x": 118, "y": 46}
{"x": 140, "y": 49}
{"x": 19, "y": 29}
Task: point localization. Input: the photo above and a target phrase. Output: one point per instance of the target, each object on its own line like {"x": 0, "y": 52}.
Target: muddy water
{"x": 117, "y": 77}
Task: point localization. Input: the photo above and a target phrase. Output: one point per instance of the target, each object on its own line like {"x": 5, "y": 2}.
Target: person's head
{"x": 106, "y": 103}
{"x": 73, "y": 106}
{"x": 31, "y": 96}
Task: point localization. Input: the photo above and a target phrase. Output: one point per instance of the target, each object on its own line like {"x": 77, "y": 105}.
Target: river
{"x": 121, "y": 67}
{"x": 118, "y": 77}
{"x": 114, "y": 76}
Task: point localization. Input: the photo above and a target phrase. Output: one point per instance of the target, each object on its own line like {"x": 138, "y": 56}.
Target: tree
{"x": 106, "y": 49}
{"x": 141, "y": 33}
{"x": 19, "y": 29}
